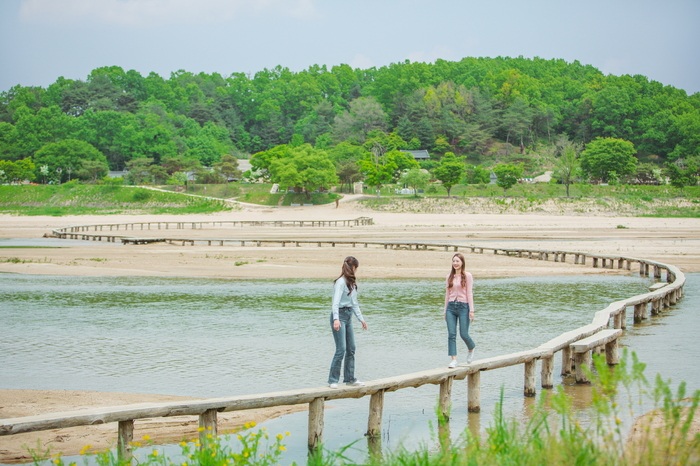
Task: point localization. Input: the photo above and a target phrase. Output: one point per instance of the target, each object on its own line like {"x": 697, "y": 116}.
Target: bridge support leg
{"x": 446, "y": 397}
{"x": 639, "y": 312}
{"x": 582, "y": 360}
{"x": 207, "y": 427}
{"x": 376, "y": 406}
{"x": 126, "y": 436}
{"x": 474, "y": 392}
{"x": 315, "y": 424}
{"x": 612, "y": 355}
{"x": 530, "y": 370}
{"x": 547, "y": 372}
{"x": 565, "y": 361}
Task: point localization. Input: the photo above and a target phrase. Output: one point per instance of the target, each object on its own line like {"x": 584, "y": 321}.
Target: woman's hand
{"x": 471, "y": 316}
{"x": 364, "y": 325}
{"x": 336, "y": 324}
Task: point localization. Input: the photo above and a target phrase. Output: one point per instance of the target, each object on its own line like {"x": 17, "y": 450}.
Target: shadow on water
{"x": 228, "y": 337}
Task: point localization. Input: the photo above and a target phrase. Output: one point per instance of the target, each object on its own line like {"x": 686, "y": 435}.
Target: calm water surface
{"x": 228, "y": 337}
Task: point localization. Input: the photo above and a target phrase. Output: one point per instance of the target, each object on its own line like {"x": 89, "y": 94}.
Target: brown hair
{"x": 461, "y": 272}
{"x": 348, "y": 271}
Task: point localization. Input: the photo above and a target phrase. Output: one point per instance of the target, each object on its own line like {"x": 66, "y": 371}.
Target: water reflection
{"x": 227, "y": 337}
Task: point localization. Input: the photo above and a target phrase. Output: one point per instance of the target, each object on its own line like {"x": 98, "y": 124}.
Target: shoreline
{"x": 670, "y": 240}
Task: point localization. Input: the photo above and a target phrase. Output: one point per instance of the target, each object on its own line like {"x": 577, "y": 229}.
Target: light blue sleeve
{"x": 356, "y": 306}
{"x": 338, "y": 288}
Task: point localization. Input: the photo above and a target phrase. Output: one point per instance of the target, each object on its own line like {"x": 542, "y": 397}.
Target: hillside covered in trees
{"x": 156, "y": 127}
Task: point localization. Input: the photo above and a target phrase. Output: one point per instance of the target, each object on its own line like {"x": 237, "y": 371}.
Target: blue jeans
{"x": 344, "y": 348}
{"x": 457, "y": 311}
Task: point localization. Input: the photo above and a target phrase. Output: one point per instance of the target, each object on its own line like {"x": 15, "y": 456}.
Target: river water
{"x": 227, "y": 337}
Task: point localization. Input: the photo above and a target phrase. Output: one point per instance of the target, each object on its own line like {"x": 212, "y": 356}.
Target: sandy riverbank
{"x": 673, "y": 241}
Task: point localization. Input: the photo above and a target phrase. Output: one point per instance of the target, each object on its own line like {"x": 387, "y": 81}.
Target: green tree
{"x": 179, "y": 163}
{"x": 682, "y": 173}
{"x": 158, "y": 174}
{"x": 378, "y": 170}
{"x": 449, "y": 171}
{"x": 92, "y": 170}
{"x": 478, "y": 175}
{"x": 606, "y": 158}
{"x": 17, "y": 172}
{"x": 348, "y": 172}
{"x": 346, "y": 152}
{"x": 402, "y": 160}
{"x": 508, "y": 175}
{"x": 416, "y": 178}
{"x": 228, "y": 167}
{"x": 67, "y": 156}
{"x": 305, "y": 167}
{"x": 567, "y": 166}
{"x": 365, "y": 114}
{"x": 138, "y": 170}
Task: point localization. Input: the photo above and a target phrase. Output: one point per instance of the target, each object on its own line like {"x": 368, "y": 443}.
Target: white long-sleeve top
{"x": 342, "y": 299}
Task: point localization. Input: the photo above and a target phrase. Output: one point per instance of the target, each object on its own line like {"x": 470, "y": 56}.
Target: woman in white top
{"x": 344, "y": 305}
{"x": 459, "y": 308}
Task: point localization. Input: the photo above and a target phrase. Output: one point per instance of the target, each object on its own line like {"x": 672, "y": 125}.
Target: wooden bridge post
{"x": 612, "y": 356}
{"x": 639, "y": 312}
{"x": 547, "y": 372}
{"x": 315, "y": 424}
{"x": 376, "y": 406}
{"x": 446, "y": 397}
{"x": 583, "y": 359}
{"x": 673, "y": 297}
{"x": 474, "y": 392}
{"x": 207, "y": 427}
{"x": 530, "y": 369}
{"x": 125, "y": 437}
{"x": 565, "y": 361}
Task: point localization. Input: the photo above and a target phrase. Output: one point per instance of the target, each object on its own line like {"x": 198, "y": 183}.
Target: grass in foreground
{"x": 76, "y": 199}
{"x": 553, "y": 436}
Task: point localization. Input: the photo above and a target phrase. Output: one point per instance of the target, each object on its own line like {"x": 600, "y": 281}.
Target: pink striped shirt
{"x": 459, "y": 292}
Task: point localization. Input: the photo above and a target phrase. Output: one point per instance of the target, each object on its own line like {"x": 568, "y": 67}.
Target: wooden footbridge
{"x": 574, "y": 346}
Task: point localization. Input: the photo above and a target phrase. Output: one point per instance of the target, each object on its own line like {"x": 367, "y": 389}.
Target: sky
{"x": 41, "y": 40}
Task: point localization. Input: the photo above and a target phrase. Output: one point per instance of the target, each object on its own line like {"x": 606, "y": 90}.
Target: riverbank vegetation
{"x": 554, "y": 434}
{"x": 76, "y": 199}
{"x": 622, "y": 200}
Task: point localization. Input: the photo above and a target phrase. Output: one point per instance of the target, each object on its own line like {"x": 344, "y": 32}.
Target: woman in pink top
{"x": 459, "y": 307}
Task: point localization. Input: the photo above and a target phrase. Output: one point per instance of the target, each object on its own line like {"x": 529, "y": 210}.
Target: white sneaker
{"x": 452, "y": 364}
{"x": 333, "y": 385}
{"x": 356, "y": 383}
{"x": 470, "y": 356}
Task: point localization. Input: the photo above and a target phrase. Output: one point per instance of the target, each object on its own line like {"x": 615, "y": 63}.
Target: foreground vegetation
{"x": 554, "y": 434}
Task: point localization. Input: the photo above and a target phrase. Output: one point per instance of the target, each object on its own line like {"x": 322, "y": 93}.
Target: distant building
{"x": 418, "y": 154}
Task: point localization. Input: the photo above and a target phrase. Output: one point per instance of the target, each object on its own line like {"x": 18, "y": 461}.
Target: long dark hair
{"x": 348, "y": 271}
{"x": 461, "y": 272}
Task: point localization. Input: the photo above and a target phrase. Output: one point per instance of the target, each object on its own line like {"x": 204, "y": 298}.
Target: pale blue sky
{"x": 41, "y": 40}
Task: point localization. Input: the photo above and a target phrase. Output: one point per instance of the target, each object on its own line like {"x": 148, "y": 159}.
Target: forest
{"x": 321, "y": 126}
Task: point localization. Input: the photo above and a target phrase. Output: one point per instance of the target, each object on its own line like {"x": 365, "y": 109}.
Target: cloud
{"x": 361, "y": 61}
{"x": 159, "y": 12}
